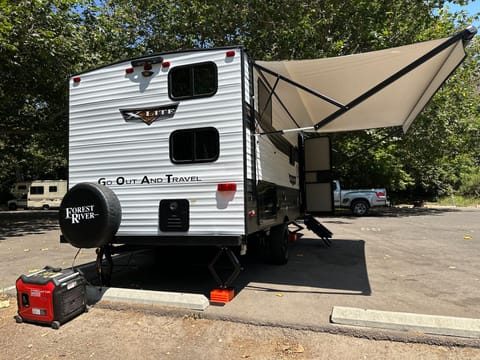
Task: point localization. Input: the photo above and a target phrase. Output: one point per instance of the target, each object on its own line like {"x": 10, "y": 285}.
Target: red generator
{"x": 50, "y": 296}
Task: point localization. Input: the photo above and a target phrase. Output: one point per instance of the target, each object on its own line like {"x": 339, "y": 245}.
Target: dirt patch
{"x": 136, "y": 334}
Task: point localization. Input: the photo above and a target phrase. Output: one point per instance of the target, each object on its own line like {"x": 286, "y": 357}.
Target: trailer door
{"x": 317, "y": 177}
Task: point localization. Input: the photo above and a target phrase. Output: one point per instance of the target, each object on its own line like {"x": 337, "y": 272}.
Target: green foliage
{"x": 40, "y": 46}
{"x": 42, "y": 42}
{"x": 470, "y": 184}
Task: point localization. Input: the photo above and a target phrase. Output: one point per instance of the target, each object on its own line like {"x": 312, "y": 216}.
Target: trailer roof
{"x": 370, "y": 90}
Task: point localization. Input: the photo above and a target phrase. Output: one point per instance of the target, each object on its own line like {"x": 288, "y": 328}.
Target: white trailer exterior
{"x": 196, "y": 147}
{"x": 143, "y": 159}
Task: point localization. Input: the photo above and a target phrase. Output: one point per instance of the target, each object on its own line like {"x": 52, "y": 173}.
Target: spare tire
{"x": 90, "y": 215}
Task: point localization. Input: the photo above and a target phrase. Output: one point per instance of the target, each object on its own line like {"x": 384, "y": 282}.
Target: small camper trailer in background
{"x": 207, "y": 147}
{"x": 38, "y": 194}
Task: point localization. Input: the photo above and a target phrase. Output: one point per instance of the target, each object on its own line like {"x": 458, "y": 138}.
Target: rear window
{"x": 194, "y": 145}
{"x": 192, "y": 81}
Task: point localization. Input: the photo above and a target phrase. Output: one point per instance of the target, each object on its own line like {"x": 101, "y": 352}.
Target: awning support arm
{"x": 285, "y": 131}
{"x": 300, "y": 86}
{"x": 272, "y": 91}
{"x": 465, "y": 35}
{"x": 262, "y": 75}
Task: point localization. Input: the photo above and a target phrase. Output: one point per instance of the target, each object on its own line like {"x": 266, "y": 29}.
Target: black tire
{"x": 278, "y": 243}
{"x": 89, "y": 215}
{"x": 18, "y": 319}
{"x": 45, "y": 207}
{"x": 55, "y": 325}
{"x": 12, "y": 206}
{"x": 360, "y": 207}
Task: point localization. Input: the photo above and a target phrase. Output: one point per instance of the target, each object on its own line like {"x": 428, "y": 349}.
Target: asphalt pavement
{"x": 407, "y": 260}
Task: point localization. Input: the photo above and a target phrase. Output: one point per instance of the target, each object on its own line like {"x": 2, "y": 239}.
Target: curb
{"x": 429, "y": 324}
{"x": 147, "y": 297}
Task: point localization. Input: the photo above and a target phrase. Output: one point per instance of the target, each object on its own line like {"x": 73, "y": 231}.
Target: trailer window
{"x": 36, "y": 190}
{"x": 52, "y": 189}
{"x": 194, "y": 145}
{"x": 192, "y": 81}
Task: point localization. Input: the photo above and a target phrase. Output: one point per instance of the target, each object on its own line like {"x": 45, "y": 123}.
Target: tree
{"x": 40, "y": 46}
{"x": 42, "y": 42}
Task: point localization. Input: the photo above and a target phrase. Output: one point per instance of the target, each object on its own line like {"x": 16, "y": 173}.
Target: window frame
{"x": 195, "y": 160}
{"x": 192, "y": 81}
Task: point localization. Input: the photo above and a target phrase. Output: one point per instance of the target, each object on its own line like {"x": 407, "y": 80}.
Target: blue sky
{"x": 472, "y": 8}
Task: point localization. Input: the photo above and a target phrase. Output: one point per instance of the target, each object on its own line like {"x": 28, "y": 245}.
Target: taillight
{"x": 380, "y": 194}
{"x": 230, "y": 53}
{"x": 227, "y": 187}
{"x": 129, "y": 70}
{"x": 76, "y": 79}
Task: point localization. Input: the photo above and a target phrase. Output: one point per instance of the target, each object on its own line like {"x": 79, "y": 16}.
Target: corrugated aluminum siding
{"x": 102, "y": 145}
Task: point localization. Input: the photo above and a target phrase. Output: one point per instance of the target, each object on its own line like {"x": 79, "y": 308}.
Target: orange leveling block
{"x": 221, "y": 295}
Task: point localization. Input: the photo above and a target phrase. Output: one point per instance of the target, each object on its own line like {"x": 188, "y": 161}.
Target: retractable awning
{"x": 363, "y": 91}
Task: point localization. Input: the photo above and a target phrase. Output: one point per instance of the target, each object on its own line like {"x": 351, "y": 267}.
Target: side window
{"x": 192, "y": 81}
{"x": 52, "y": 189}
{"x": 194, "y": 145}
{"x": 36, "y": 190}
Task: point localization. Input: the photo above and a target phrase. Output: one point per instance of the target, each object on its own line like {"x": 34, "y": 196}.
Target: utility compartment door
{"x": 318, "y": 176}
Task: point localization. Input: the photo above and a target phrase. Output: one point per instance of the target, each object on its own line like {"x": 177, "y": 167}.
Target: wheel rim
{"x": 360, "y": 208}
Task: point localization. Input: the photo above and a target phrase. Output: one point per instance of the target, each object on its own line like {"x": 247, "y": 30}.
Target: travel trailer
{"x": 208, "y": 147}
{"x": 38, "y": 194}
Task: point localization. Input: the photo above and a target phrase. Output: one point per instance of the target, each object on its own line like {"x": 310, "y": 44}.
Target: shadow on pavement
{"x": 397, "y": 211}
{"x": 21, "y": 223}
{"x": 313, "y": 268}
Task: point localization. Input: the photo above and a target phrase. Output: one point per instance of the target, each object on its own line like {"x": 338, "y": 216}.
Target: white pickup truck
{"x": 359, "y": 201}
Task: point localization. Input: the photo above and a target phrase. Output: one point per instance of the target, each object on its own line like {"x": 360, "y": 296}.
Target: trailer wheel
{"x": 18, "y": 319}
{"x": 359, "y": 207}
{"x": 278, "y": 243}
{"x": 89, "y": 215}
{"x": 55, "y": 325}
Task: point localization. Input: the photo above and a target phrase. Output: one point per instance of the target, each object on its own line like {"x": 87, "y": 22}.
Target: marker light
{"x": 226, "y": 187}
{"x": 76, "y": 79}
{"x": 230, "y": 53}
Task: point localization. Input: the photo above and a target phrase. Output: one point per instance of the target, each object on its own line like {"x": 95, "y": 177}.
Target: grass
{"x": 461, "y": 201}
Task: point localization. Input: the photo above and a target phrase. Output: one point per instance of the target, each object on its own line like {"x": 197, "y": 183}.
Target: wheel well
{"x": 360, "y": 199}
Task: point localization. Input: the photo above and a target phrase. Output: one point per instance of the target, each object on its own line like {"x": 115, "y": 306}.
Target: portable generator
{"x": 50, "y": 296}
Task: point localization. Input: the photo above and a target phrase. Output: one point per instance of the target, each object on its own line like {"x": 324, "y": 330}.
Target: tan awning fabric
{"x": 345, "y": 80}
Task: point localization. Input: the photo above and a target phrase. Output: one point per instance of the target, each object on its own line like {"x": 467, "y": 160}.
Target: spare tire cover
{"x": 89, "y": 215}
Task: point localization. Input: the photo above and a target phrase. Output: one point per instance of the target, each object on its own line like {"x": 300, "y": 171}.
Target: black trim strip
{"x": 186, "y": 240}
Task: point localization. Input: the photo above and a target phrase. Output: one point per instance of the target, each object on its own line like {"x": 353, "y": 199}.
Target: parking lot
{"x": 415, "y": 260}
